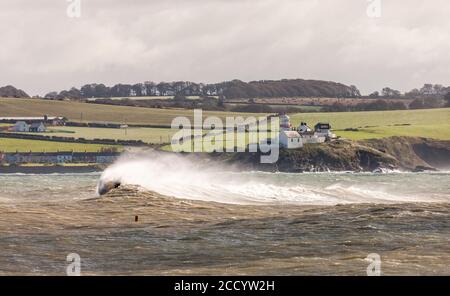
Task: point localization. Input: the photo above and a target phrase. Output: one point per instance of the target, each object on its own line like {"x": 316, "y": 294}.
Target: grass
{"x": 13, "y": 145}
{"x": 76, "y": 111}
{"x": 240, "y": 140}
{"x": 430, "y": 123}
{"x": 148, "y": 135}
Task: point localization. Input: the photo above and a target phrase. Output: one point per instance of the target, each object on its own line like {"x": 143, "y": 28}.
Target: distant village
{"x": 32, "y": 124}
{"x": 39, "y": 125}
{"x": 289, "y": 138}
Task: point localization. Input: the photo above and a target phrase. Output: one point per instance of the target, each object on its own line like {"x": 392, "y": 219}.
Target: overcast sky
{"x": 113, "y": 41}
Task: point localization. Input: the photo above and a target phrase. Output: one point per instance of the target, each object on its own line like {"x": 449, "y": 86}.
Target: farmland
{"x": 428, "y": 123}
{"x": 19, "y": 145}
{"x": 76, "y": 111}
{"x": 147, "y": 135}
{"x": 431, "y": 123}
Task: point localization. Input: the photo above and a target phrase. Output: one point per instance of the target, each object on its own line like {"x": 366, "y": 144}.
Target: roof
{"x": 323, "y": 125}
{"x": 291, "y": 134}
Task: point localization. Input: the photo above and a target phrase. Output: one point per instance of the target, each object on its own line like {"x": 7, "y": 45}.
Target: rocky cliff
{"x": 403, "y": 153}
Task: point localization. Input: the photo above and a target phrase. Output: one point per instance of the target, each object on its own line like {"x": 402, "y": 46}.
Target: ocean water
{"x": 203, "y": 219}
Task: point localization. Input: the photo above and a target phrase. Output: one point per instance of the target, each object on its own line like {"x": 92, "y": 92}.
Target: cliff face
{"x": 411, "y": 154}
{"x": 414, "y": 153}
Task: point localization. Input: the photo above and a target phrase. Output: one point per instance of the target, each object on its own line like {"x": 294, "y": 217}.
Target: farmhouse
{"x": 312, "y": 138}
{"x": 21, "y": 126}
{"x": 37, "y": 127}
{"x": 324, "y": 130}
{"x": 290, "y": 139}
{"x": 304, "y": 128}
{"x": 48, "y": 120}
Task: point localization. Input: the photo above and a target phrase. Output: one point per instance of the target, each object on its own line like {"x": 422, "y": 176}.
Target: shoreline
{"x": 377, "y": 155}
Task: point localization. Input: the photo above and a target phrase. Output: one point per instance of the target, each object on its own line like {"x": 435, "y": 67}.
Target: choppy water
{"x": 231, "y": 223}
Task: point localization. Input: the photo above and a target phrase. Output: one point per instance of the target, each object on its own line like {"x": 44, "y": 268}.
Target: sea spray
{"x": 196, "y": 178}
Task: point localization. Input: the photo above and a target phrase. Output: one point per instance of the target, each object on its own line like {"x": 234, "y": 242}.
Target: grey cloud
{"x": 198, "y": 40}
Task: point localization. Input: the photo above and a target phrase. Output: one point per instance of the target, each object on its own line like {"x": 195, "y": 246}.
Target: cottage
{"x": 312, "y": 138}
{"x": 304, "y": 128}
{"x": 324, "y": 130}
{"x": 37, "y": 127}
{"x": 290, "y": 139}
{"x": 21, "y": 126}
{"x": 57, "y": 121}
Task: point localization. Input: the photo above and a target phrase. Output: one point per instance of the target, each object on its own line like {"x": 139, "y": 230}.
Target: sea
{"x": 175, "y": 216}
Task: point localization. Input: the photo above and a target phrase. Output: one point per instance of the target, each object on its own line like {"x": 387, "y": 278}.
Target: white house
{"x": 53, "y": 120}
{"x": 304, "y": 128}
{"x": 37, "y": 127}
{"x": 312, "y": 138}
{"x": 324, "y": 130}
{"x": 21, "y": 126}
{"x": 290, "y": 139}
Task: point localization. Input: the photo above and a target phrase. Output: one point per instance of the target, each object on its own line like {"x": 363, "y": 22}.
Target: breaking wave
{"x": 183, "y": 177}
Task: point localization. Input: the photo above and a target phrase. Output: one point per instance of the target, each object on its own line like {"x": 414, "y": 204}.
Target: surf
{"x": 186, "y": 178}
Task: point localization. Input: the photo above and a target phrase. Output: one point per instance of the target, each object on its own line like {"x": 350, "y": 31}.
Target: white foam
{"x": 174, "y": 175}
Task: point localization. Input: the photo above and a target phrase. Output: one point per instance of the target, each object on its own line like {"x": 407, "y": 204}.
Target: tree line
{"x": 227, "y": 90}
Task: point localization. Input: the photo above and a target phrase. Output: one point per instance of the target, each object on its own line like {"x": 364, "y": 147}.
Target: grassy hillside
{"x": 431, "y": 123}
{"x": 99, "y": 113}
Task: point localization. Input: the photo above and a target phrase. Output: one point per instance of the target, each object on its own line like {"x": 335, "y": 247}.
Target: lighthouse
{"x": 285, "y": 123}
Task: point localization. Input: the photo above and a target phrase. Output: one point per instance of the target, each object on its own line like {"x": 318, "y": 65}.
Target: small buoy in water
{"x": 136, "y": 218}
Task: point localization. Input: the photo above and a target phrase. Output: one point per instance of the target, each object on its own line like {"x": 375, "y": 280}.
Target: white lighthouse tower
{"x": 285, "y": 123}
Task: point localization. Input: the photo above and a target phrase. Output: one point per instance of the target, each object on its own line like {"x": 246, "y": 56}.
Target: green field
{"x": 86, "y": 112}
{"x": 210, "y": 139}
{"x": 13, "y": 145}
{"x": 430, "y": 123}
{"x": 147, "y": 135}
